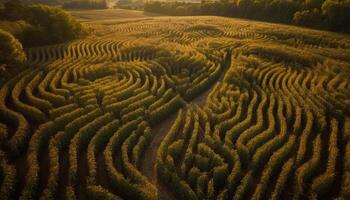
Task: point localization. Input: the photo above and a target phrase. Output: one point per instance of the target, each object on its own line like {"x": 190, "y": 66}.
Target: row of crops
{"x": 262, "y": 134}
{"x": 78, "y": 122}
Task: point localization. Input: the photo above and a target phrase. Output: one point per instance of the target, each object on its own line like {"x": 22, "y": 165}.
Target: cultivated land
{"x": 180, "y": 108}
{"x": 109, "y": 15}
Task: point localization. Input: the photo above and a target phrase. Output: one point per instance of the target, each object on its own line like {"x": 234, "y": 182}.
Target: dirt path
{"x": 200, "y": 99}
{"x": 160, "y": 130}
{"x": 82, "y": 173}
{"x": 149, "y": 160}
{"x": 63, "y": 173}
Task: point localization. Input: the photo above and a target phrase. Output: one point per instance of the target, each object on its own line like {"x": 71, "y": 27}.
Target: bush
{"x": 31, "y": 36}
{"x": 40, "y": 24}
{"x": 177, "y": 8}
{"x": 28, "y": 34}
{"x": 280, "y": 10}
{"x": 130, "y": 4}
{"x": 85, "y": 4}
{"x": 11, "y": 51}
{"x": 219, "y": 176}
{"x": 167, "y": 108}
{"x": 175, "y": 149}
{"x": 8, "y": 175}
{"x": 337, "y": 14}
{"x": 310, "y": 18}
{"x": 13, "y": 10}
{"x": 98, "y": 192}
{"x": 59, "y": 25}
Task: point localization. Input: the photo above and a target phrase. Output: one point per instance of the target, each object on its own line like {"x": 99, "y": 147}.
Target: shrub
{"x": 337, "y": 14}
{"x": 42, "y": 24}
{"x": 310, "y": 18}
{"x": 219, "y": 176}
{"x": 11, "y": 51}
{"x": 173, "y": 8}
{"x": 175, "y": 149}
{"x": 59, "y": 25}
{"x": 304, "y": 172}
{"x": 322, "y": 184}
{"x": 98, "y": 192}
{"x": 13, "y": 10}
{"x": 7, "y": 174}
{"x": 85, "y": 4}
{"x": 167, "y": 108}
{"x": 33, "y": 36}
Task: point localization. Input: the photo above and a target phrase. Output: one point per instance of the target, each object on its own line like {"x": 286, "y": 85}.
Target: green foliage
{"x": 59, "y": 25}
{"x": 176, "y": 8}
{"x": 337, "y": 14}
{"x": 13, "y": 10}
{"x": 175, "y": 149}
{"x": 99, "y": 193}
{"x": 11, "y": 51}
{"x": 46, "y": 25}
{"x": 219, "y": 176}
{"x": 326, "y": 14}
{"x": 308, "y": 17}
{"x": 130, "y": 4}
{"x": 7, "y": 175}
{"x": 85, "y": 4}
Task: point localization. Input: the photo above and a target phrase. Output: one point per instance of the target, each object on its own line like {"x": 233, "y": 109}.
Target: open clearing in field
{"x": 109, "y": 14}
{"x": 180, "y": 108}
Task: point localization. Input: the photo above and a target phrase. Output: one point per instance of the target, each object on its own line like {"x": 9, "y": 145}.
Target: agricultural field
{"x": 192, "y": 108}
{"x": 113, "y": 15}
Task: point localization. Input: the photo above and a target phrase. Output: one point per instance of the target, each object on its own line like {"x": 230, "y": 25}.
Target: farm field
{"x": 109, "y": 15}
{"x": 157, "y": 107}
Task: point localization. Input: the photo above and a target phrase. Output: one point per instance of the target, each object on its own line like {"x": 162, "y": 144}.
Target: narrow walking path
{"x": 150, "y": 157}
{"x": 148, "y": 164}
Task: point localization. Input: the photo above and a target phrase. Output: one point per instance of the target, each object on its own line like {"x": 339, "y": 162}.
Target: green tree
{"x": 245, "y": 7}
{"x": 309, "y": 4}
{"x": 281, "y": 10}
{"x": 310, "y": 18}
{"x": 11, "y": 51}
{"x": 59, "y": 25}
{"x": 337, "y": 13}
{"x": 14, "y": 10}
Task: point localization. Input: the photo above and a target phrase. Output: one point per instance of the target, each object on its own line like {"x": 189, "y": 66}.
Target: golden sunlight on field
{"x": 109, "y": 14}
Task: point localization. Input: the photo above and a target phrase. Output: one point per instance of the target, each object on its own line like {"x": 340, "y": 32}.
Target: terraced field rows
{"x": 77, "y": 123}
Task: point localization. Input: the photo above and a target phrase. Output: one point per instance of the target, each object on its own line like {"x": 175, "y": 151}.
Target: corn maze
{"x": 77, "y": 123}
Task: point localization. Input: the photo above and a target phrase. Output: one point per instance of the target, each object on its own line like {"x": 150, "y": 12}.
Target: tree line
{"x": 85, "y": 4}
{"x": 26, "y": 25}
{"x": 331, "y": 15}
